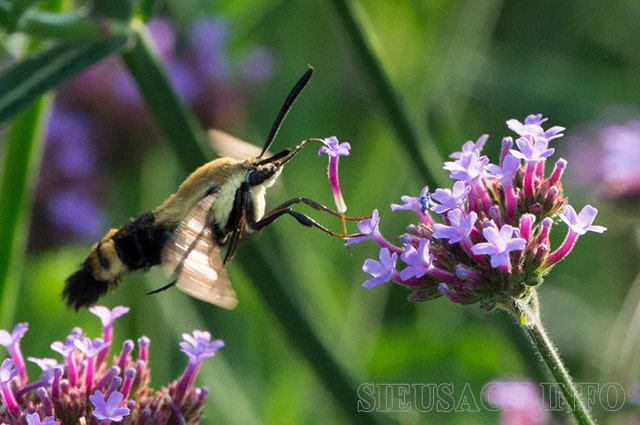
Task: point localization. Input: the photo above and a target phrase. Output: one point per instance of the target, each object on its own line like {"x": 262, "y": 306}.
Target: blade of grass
{"x": 178, "y": 125}
{"x": 29, "y": 79}
{"x": 408, "y": 135}
{"x": 300, "y": 332}
{"x": 21, "y": 163}
{"x": 71, "y": 26}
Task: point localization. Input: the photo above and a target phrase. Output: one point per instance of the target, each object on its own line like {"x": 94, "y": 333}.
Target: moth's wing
{"x": 193, "y": 257}
{"x": 230, "y": 146}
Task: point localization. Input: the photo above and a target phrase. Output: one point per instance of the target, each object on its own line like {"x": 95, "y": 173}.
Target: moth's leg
{"x": 305, "y": 220}
{"x": 316, "y": 206}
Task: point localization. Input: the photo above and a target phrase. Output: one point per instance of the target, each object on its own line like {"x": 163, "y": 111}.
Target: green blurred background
{"x": 459, "y": 69}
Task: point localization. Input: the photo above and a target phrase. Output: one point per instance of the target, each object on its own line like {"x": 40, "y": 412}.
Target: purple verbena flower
{"x": 107, "y": 317}
{"x": 532, "y": 127}
{"x": 85, "y": 389}
{"x": 369, "y": 231}
{"x": 12, "y": 342}
{"x": 468, "y": 167}
{"x": 34, "y": 419}
{"x": 108, "y": 410}
{"x": 382, "y": 271}
{"x": 459, "y": 226}
{"x": 579, "y": 224}
{"x": 532, "y": 149}
{"x": 499, "y": 244}
{"x": 487, "y": 238}
{"x": 8, "y": 374}
{"x": 583, "y": 222}
{"x": 449, "y": 199}
{"x": 199, "y": 346}
{"x": 334, "y": 149}
{"x": 418, "y": 260}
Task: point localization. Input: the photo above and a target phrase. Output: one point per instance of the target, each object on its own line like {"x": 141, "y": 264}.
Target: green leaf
{"x": 26, "y": 81}
{"x": 409, "y": 134}
{"x": 19, "y": 171}
{"x": 71, "y": 26}
{"x": 11, "y": 11}
{"x": 114, "y": 9}
{"x": 147, "y": 8}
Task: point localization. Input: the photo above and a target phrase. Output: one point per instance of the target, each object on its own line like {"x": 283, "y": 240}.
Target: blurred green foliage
{"x": 458, "y": 69}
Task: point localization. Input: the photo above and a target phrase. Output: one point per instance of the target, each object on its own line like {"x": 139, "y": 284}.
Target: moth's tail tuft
{"x": 82, "y": 289}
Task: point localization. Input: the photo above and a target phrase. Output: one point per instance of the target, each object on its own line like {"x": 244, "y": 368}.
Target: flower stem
{"x": 527, "y": 314}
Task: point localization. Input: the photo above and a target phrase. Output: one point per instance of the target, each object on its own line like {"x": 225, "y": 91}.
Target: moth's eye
{"x": 257, "y": 176}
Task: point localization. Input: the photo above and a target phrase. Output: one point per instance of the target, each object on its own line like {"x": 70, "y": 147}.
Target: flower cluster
{"x": 487, "y": 238}
{"x": 84, "y": 388}
{"x": 99, "y": 117}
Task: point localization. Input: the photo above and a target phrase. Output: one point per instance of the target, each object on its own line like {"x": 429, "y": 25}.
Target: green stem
{"x": 302, "y": 335}
{"x": 527, "y": 314}
{"x": 21, "y": 163}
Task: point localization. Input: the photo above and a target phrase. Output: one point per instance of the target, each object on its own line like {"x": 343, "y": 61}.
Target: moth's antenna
{"x": 286, "y": 107}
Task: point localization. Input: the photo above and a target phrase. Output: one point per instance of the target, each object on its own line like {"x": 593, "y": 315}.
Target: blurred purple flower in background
{"x": 99, "y": 121}
{"x": 520, "y": 402}
{"x": 487, "y": 239}
{"x": 84, "y": 388}
{"x": 607, "y": 155}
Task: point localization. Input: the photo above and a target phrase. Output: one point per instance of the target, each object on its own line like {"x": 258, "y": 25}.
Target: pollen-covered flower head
{"x": 485, "y": 239}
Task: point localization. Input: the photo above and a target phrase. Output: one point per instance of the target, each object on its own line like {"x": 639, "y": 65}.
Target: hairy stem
{"x": 527, "y": 315}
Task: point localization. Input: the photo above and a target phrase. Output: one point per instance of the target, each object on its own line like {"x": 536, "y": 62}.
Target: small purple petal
{"x": 34, "y": 419}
